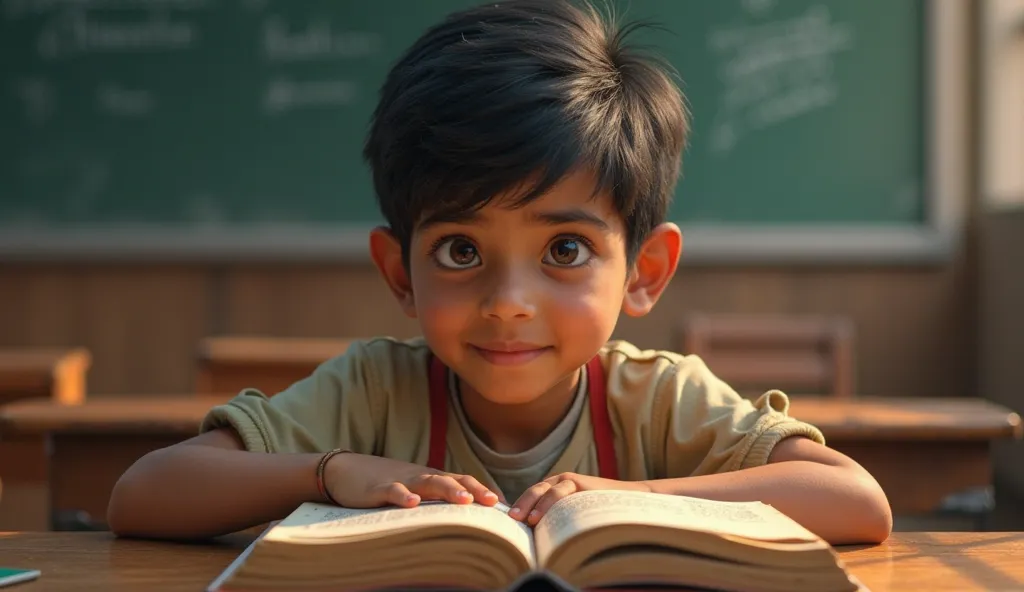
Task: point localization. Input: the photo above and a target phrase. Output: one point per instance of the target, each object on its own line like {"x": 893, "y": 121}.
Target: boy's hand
{"x": 365, "y": 481}
{"x": 537, "y": 500}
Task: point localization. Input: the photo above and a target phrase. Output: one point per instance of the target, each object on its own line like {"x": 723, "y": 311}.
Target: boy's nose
{"x": 509, "y": 298}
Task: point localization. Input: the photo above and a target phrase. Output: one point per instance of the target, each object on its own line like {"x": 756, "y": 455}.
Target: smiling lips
{"x": 510, "y": 353}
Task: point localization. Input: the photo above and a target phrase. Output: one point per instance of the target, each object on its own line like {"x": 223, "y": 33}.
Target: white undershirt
{"x": 516, "y": 472}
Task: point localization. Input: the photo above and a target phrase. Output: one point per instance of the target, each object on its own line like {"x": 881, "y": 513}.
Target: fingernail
{"x": 464, "y": 495}
{"x": 412, "y": 498}
{"x": 490, "y": 495}
{"x": 515, "y": 512}
{"x": 533, "y": 515}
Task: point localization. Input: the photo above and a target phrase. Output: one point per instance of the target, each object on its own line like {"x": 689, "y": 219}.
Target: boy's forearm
{"x": 841, "y": 504}
{"x": 190, "y": 492}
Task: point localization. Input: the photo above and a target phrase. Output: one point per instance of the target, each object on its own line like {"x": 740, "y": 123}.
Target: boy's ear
{"x": 653, "y": 269}
{"x": 386, "y": 252}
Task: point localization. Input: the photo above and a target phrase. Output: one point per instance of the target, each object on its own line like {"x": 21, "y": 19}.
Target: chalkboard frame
{"x": 933, "y": 242}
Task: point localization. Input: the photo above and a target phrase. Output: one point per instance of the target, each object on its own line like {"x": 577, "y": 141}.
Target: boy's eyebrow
{"x": 571, "y": 216}
{"x": 448, "y": 217}
{"x": 554, "y": 218}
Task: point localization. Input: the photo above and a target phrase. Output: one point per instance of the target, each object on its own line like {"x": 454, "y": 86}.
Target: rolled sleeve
{"x": 328, "y": 409}
{"x": 242, "y": 416}
{"x": 709, "y": 428}
{"x": 773, "y": 425}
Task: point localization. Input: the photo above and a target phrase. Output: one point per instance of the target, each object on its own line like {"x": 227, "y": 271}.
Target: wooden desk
{"x": 91, "y": 445}
{"x": 921, "y": 451}
{"x": 53, "y": 374}
{"x": 898, "y": 440}
{"x": 937, "y": 562}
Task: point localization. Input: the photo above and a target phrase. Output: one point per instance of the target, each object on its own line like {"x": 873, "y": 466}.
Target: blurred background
{"x": 182, "y": 193}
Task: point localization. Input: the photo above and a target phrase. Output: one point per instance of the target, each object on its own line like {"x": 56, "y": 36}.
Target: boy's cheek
{"x": 441, "y": 323}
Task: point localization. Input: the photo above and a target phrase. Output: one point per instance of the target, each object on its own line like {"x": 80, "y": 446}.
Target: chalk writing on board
{"x": 773, "y": 70}
{"x": 283, "y": 95}
{"x": 38, "y": 98}
{"x": 76, "y": 32}
{"x": 124, "y": 102}
{"x": 18, "y": 8}
{"x": 315, "y": 40}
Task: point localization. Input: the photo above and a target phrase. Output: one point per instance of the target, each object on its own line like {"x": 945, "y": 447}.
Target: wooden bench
{"x": 228, "y": 364}
{"x": 58, "y": 377}
{"x": 921, "y": 450}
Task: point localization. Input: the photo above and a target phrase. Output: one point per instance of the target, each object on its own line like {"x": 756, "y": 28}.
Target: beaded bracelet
{"x": 320, "y": 485}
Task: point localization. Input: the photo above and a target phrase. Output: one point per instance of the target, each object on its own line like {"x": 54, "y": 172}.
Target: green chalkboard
{"x": 190, "y": 114}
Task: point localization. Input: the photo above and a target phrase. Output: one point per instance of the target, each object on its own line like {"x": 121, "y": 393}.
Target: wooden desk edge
{"x": 862, "y": 433}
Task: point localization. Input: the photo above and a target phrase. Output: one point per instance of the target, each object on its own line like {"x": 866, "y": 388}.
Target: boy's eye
{"x": 567, "y": 252}
{"x": 457, "y": 253}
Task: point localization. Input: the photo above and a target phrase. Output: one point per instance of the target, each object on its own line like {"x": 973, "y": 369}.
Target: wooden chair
{"x": 33, "y": 372}
{"x": 228, "y": 364}
{"x": 796, "y": 354}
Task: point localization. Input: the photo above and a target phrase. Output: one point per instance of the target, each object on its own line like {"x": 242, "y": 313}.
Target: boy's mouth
{"x": 511, "y": 353}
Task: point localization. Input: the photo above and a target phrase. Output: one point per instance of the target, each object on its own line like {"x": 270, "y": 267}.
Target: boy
{"x": 523, "y": 156}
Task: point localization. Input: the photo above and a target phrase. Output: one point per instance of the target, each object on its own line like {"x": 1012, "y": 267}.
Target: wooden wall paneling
{"x": 311, "y": 301}
{"x": 914, "y": 326}
{"x": 142, "y": 323}
{"x": 39, "y": 305}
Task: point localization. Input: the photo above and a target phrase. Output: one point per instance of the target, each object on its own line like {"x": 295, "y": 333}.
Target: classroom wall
{"x": 915, "y": 326}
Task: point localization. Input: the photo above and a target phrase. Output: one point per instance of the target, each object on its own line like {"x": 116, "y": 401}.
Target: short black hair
{"x": 524, "y": 92}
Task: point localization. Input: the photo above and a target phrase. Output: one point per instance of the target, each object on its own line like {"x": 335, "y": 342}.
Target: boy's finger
{"x": 441, "y": 487}
{"x": 555, "y": 493}
{"x": 480, "y": 493}
{"x": 521, "y": 509}
{"x": 399, "y": 495}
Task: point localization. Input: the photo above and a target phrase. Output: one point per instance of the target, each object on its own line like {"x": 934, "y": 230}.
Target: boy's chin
{"x": 516, "y": 389}
{"x": 513, "y": 398}
{"x": 505, "y": 391}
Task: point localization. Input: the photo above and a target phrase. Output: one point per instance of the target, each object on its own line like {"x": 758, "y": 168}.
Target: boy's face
{"x": 515, "y": 300}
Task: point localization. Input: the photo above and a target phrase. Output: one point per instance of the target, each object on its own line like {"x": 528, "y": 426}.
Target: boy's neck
{"x": 509, "y": 429}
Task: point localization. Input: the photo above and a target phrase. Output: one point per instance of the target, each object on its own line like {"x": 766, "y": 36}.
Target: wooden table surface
{"x": 934, "y": 562}
{"x": 862, "y": 418}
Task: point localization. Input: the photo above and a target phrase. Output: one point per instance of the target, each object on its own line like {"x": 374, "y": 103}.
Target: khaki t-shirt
{"x": 670, "y": 415}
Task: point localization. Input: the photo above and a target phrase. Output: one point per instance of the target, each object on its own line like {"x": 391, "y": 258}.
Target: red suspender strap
{"x": 604, "y": 438}
{"x": 438, "y": 381}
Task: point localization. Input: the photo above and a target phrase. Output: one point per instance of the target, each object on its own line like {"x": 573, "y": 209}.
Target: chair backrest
{"x": 55, "y": 373}
{"x": 800, "y": 354}
{"x": 228, "y": 364}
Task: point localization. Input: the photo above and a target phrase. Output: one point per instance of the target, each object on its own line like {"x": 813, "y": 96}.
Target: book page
{"x": 593, "y": 509}
{"x": 312, "y": 521}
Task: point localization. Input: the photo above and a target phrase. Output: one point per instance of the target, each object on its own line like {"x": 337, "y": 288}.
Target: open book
{"x": 589, "y": 539}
